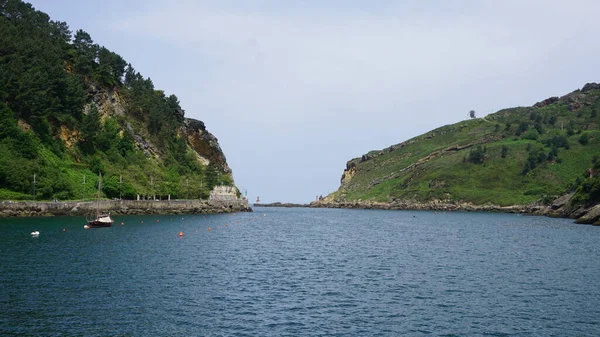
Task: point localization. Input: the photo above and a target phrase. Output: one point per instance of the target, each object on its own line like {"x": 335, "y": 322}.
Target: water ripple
{"x": 302, "y": 272}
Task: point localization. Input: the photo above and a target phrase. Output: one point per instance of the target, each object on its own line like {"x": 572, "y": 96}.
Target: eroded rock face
{"x": 205, "y": 143}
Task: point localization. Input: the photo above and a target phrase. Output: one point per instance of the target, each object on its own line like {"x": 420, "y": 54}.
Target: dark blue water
{"x": 301, "y": 272}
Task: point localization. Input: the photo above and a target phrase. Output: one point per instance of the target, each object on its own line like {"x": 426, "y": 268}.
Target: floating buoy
{"x": 122, "y": 224}
{"x": 180, "y": 233}
{"x": 157, "y": 220}
{"x": 64, "y": 229}
{"x": 210, "y": 229}
{"x": 86, "y": 226}
{"x": 142, "y": 221}
{"x": 196, "y": 231}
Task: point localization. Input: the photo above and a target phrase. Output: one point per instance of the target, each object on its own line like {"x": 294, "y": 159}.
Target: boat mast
{"x": 98, "y": 198}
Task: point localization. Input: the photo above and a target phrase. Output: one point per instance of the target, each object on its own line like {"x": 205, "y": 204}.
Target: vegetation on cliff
{"x": 515, "y": 156}
{"x": 70, "y": 108}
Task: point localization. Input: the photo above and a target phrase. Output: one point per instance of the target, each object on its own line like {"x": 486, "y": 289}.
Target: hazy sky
{"x": 295, "y": 89}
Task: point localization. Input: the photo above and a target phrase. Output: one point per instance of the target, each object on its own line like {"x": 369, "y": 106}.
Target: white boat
{"x": 101, "y": 220}
{"x": 35, "y": 233}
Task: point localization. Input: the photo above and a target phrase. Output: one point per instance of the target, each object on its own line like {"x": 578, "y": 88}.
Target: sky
{"x": 294, "y": 89}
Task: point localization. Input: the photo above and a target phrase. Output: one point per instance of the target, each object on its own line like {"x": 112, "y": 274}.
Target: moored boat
{"x": 101, "y": 220}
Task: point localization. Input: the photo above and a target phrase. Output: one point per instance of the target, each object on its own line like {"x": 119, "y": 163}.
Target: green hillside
{"x": 71, "y": 109}
{"x": 512, "y": 157}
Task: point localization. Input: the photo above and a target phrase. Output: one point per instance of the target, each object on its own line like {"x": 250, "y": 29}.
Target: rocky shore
{"x": 559, "y": 208}
{"x": 122, "y": 207}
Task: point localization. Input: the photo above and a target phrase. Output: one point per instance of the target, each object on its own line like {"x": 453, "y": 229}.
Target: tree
{"x": 477, "y": 155}
{"x": 472, "y": 114}
{"x": 90, "y": 130}
{"x": 523, "y": 126}
{"x": 84, "y": 56}
{"x": 111, "y": 67}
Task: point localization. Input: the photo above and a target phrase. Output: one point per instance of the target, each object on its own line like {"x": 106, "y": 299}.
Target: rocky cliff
{"x": 205, "y": 144}
{"x": 71, "y": 110}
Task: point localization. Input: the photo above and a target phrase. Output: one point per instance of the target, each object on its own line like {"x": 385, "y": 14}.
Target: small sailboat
{"x": 35, "y": 233}
{"x": 101, "y": 220}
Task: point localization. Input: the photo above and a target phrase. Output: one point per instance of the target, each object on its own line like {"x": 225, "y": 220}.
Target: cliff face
{"x": 111, "y": 105}
{"x": 520, "y": 156}
{"x": 205, "y": 144}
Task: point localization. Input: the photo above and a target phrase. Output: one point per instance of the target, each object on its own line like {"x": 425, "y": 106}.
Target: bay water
{"x": 301, "y": 272}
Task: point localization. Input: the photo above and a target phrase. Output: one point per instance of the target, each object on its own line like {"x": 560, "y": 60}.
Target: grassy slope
{"x": 498, "y": 180}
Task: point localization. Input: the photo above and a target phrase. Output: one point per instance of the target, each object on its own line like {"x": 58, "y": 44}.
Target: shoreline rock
{"x": 559, "y": 209}
{"x": 122, "y": 207}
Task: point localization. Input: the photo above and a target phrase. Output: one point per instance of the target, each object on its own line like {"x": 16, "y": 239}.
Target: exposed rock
{"x": 348, "y": 172}
{"x": 592, "y": 216}
{"x": 69, "y": 137}
{"x": 561, "y": 201}
{"x": 205, "y": 144}
{"x": 590, "y": 86}
{"x": 23, "y": 125}
{"x": 545, "y": 102}
{"x": 123, "y": 207}
{"x": 583, "y": 215}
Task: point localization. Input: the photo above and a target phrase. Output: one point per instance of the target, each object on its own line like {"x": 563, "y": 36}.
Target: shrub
{"x": 523, "y": 126}
{"x": 531, "y": 134}
{"x": 477, "y": 155}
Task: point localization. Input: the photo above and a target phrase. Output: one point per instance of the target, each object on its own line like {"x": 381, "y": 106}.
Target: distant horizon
{"x": 294, "y": 90}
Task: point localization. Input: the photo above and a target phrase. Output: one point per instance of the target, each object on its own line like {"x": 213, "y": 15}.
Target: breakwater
{"x": 122, "y": 207}
{"x": 279, "y": 204}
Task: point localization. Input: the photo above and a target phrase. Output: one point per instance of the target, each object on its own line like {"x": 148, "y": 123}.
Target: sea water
{"x": 301, "y": 272}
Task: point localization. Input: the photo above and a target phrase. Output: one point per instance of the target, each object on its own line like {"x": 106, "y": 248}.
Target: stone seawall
{"x": 279, "y": 204}
{"x": 122, "y": 207}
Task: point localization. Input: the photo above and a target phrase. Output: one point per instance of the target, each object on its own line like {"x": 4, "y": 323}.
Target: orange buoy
{"x": 180, "y": 233}
{"x": 210, "y": 229}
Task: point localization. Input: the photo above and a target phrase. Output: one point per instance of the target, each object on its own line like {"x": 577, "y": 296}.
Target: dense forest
{"x": 71, "y": 109}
